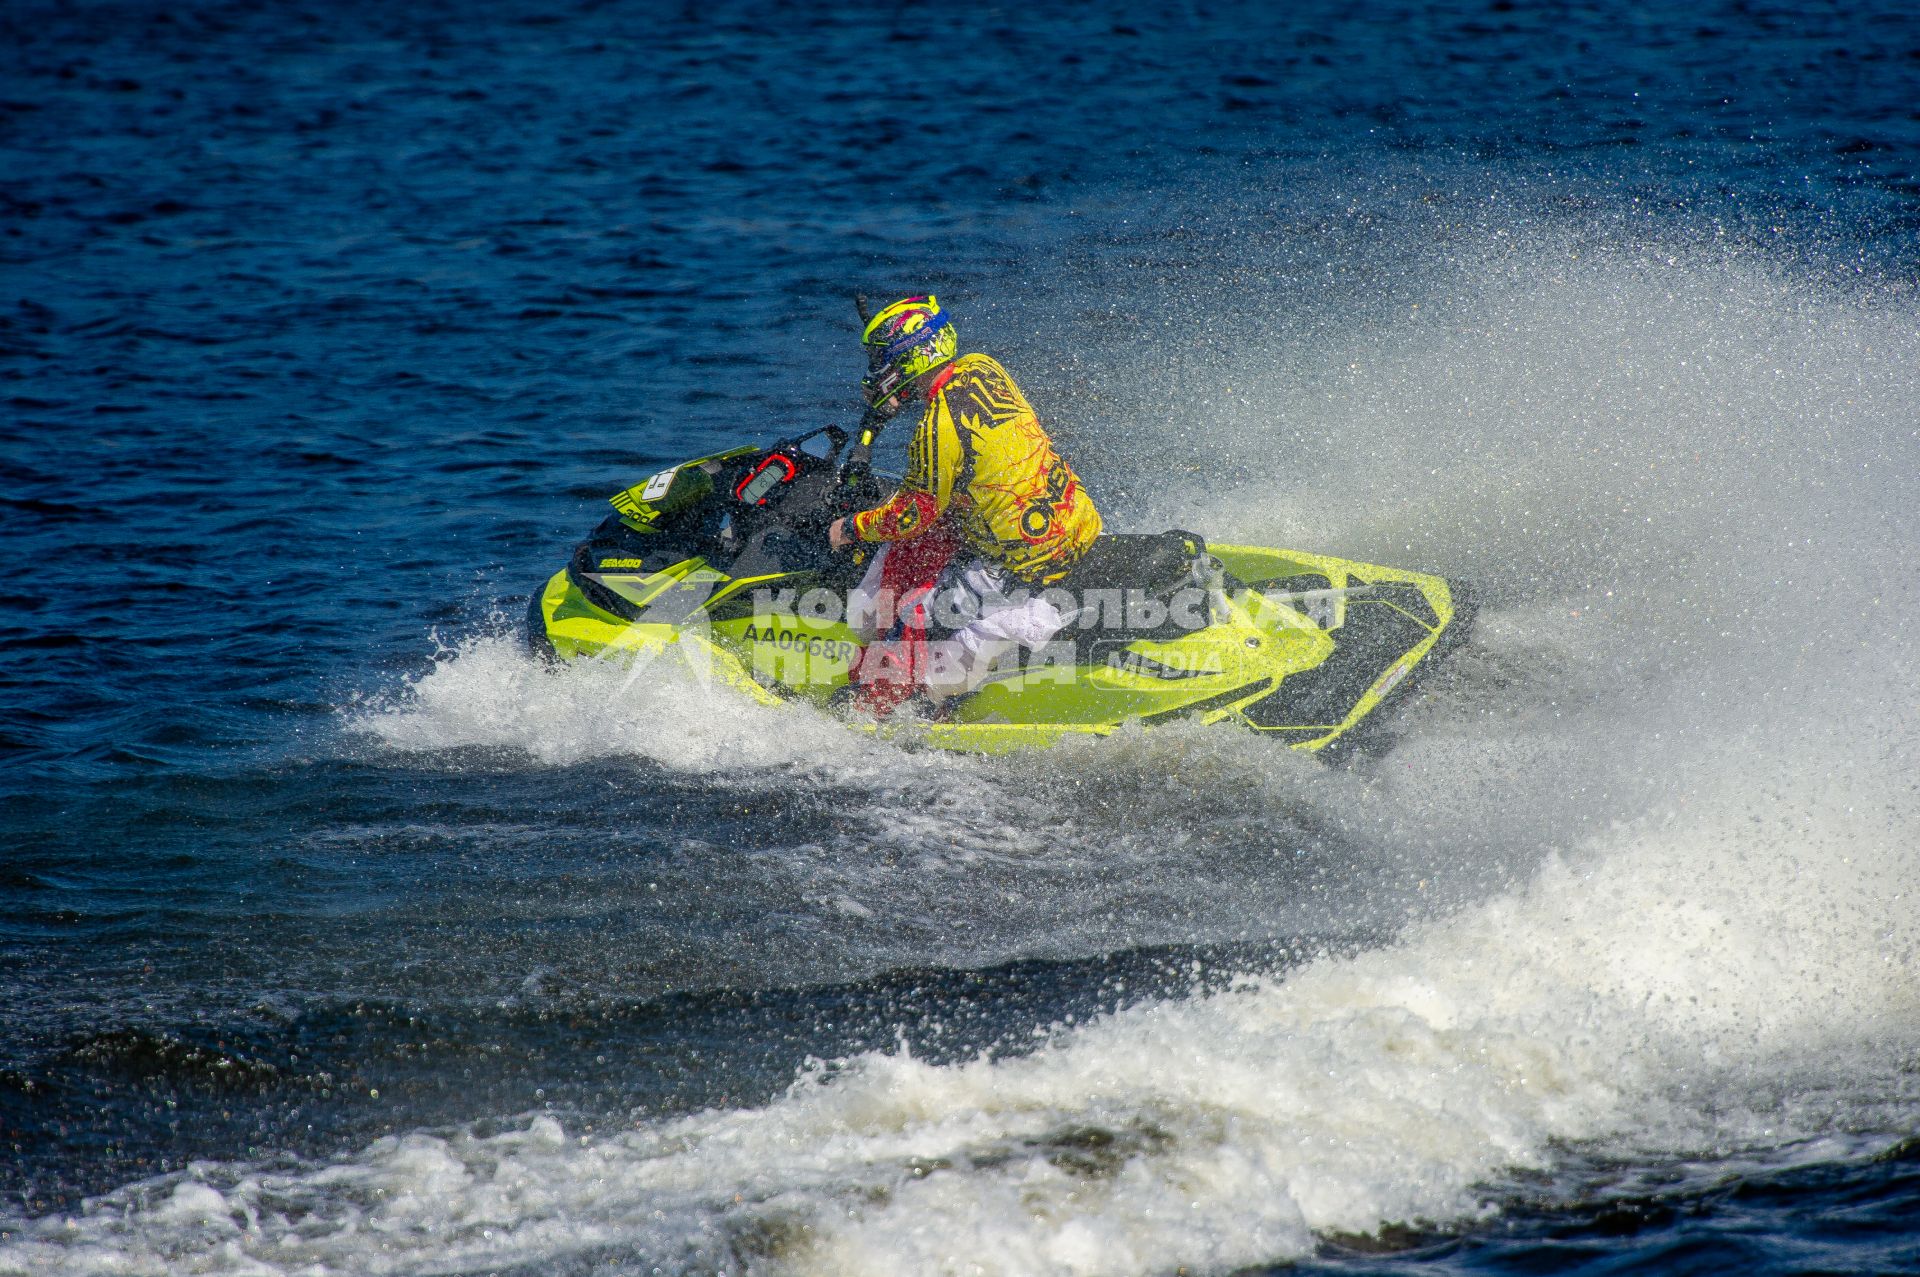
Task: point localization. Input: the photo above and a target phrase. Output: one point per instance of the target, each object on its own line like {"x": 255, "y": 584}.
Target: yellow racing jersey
{"x": 980, "y": 458}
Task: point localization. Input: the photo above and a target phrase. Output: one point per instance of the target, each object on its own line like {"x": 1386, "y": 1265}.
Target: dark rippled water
{"x": 334, "y": 936}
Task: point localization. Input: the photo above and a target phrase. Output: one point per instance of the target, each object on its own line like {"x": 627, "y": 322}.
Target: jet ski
{"x": 722, "y": 563}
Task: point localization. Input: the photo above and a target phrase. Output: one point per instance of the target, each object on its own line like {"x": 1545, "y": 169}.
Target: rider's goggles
{"x": 884, "y": 383}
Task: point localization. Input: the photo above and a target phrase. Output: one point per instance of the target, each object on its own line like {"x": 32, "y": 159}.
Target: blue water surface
{"x": 325, "y": 330}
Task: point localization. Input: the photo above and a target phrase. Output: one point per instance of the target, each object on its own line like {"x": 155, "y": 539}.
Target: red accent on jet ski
{"x": 739, "y": 489}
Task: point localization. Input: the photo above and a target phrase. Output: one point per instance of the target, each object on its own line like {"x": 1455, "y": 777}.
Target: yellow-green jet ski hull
{"x": 1300, "y": 647}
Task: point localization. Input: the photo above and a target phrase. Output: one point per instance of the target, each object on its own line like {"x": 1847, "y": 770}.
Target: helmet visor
{"x": 883, "y": 383}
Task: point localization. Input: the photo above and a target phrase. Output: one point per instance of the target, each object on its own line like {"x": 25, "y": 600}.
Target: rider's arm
{"x": 932, "y": 460}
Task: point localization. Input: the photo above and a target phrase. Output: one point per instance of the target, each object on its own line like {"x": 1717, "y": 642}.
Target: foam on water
{"x": 1686, "y": 485}
{"x": 1713, "y": 984}
{"x": 486, "y": 692}
{"x": 931, "y": 857}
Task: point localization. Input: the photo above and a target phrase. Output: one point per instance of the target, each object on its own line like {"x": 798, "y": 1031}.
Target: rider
{"x": 986, "y": 504}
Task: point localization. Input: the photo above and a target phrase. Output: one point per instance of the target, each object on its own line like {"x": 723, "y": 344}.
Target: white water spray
{"x": 1687, "y": 487}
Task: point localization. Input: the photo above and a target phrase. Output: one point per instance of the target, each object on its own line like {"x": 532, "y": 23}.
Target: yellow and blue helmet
{"x": 908, "y": 339}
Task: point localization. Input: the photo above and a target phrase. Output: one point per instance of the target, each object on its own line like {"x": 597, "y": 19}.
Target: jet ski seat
{"x": 1139, "y": 586}
{"x": 1155, "y": 563}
